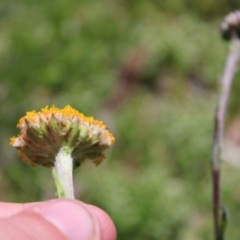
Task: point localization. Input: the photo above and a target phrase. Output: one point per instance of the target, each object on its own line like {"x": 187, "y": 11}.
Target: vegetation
{"x": 149, "y": 69}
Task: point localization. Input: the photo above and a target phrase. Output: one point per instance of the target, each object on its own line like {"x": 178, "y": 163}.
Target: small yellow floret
{"x": 43, "y": 133}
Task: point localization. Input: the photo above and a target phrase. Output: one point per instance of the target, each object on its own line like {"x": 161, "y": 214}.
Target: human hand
{"x": 59, "y": 219}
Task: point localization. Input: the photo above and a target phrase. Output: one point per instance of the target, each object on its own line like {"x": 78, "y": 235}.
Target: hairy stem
{"x": 62, "y": 174}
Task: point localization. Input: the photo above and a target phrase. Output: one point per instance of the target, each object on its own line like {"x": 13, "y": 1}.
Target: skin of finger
{"x": 73, "y": 218}
{"x": 107, "y": 226}
{"x": 28, "y": 226}
{"x": 10, "y": 209}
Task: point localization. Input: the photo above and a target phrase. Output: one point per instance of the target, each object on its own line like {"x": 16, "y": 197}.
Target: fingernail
{"x": 73, "y": 219}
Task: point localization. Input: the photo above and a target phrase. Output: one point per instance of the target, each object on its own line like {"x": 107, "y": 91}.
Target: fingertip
{"x": 107, "y": 226}
{"x": 72, "y": 218}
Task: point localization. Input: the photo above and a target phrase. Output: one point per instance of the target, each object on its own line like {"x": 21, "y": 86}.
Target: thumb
{"x": 58, "y": 219}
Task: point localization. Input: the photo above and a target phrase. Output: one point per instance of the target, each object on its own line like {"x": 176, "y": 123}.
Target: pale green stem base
{"x": 62, "y": 173}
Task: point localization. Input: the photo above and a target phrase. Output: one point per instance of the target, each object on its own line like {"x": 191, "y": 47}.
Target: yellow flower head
{"x": 44, "y": 133}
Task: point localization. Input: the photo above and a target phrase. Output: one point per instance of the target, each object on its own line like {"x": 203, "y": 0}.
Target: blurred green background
{"x": 149, "y": 70}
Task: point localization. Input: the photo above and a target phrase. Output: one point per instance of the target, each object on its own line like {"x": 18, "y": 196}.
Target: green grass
{"x": 155, "y": 182}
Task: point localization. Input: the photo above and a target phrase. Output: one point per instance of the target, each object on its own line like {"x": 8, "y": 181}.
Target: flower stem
{"x": 226, "y": 82}
{"x": 62, "y": 173}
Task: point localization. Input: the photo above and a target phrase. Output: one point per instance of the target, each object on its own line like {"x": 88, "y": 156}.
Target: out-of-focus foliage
{"x": 155, "y": 183}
